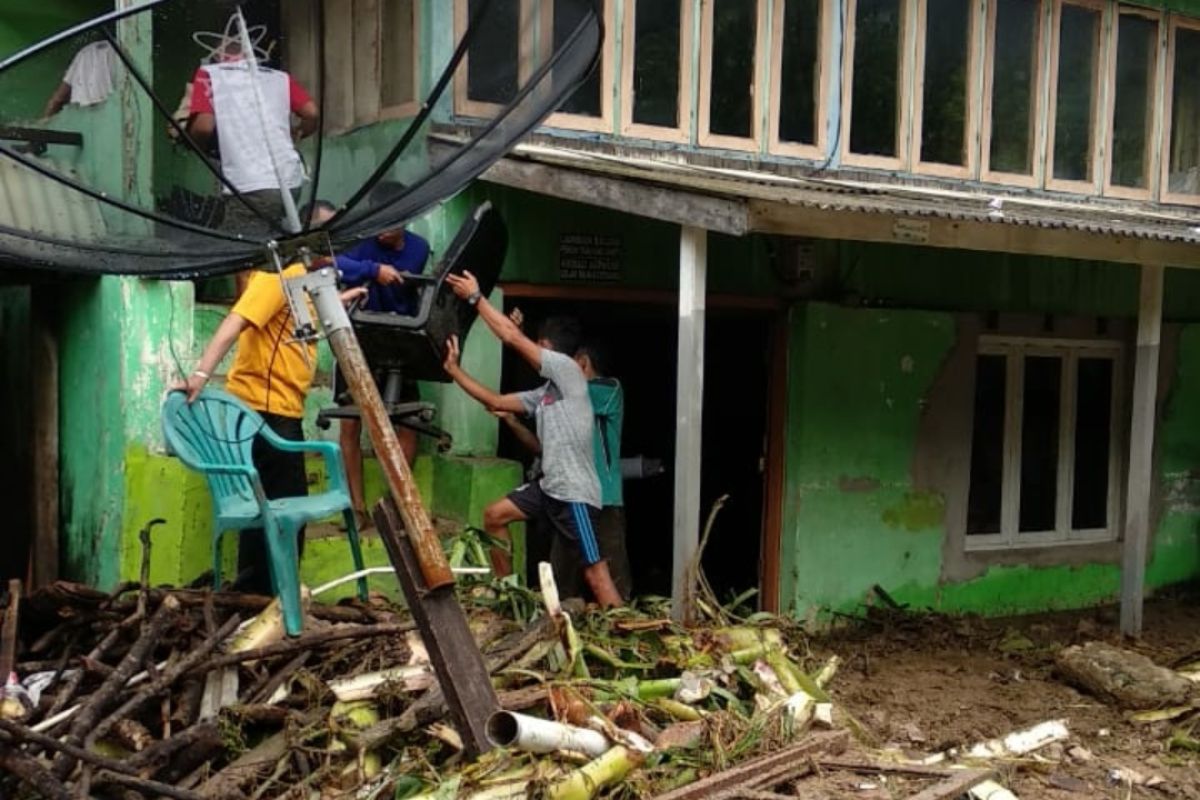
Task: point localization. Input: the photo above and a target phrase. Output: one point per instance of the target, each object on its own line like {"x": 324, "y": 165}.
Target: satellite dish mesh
{"x": 128, "y": 182}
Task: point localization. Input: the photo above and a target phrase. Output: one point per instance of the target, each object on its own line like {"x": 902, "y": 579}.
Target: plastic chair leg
{"x": 285, "y": 572}
{"x": 218, "y": 537}
{"x": 355, "y": 550}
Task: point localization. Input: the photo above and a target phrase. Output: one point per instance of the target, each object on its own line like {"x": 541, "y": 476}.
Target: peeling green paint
{"x": 918, "y": 511}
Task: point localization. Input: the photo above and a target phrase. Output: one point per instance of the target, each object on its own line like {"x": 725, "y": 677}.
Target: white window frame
{"x": 716, "y": 140}
{"x": 1100, "y": 91}
{"x": 682, "y": 133}
{"x": 1014, "y": 349}
{"x": 464, "y": 106}
{"x": 904, "y": 83}
{"x": 1153, "y": 112}
{"x": 776, "y": 145}
{"x": 971, "y": 100}
{"x": 608, "y": 51}
{"x": 1167, "y": 196}
{"x": 1035, "y": 112}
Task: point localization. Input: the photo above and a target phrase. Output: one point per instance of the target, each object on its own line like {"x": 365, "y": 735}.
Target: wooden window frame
{"x": 970, "y": 118}
{"x": 464, "y": 106}
{"x": 409, "y": 109}
{"x": 682, "y": 134}
{"x": 904, "y": 83}
{"x": 608, "y": 56}
{"x": 775, "y": 145}
{"x": 339, "y": 111}
{"x": 1168, "y": 109}
{"x": 749, "y": 144}
{"x": 1036, "y": 132}
{"x": 1014, "y": 349}
{"x": 1154, "y": 116}
{"x": 1100, "y": 92}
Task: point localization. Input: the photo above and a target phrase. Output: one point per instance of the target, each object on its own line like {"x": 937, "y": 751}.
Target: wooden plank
{"x": 689, "y": 406}
{"x": 1141, "y": 451}
{"x": 868, "y": 226}
{"x": 44, "y": 450}
{"x": 954, "y": 787}
{"x": 752, "y": 773}
{"x": 457, "y": 662}
{"x": 668, "y": 205}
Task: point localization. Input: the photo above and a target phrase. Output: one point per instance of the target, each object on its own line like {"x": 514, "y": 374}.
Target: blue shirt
{"x": 359, "y": 266}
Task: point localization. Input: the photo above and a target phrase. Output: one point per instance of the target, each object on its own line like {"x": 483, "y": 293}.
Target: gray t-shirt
{"x": 563, "y": 410}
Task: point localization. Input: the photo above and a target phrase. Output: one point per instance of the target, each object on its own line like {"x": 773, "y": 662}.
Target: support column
{"x": 1141, "y": 451}
{"x": 43, "y": 358}
{"x": 693, "y": 270}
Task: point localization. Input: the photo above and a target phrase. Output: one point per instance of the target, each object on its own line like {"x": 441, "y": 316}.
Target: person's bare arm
{"x": 526, "y": 437}
{"x": 227, "y": 334}
{"x": 61, "y": 96}
{"x": 202, "y": 127}
{"x": 310, "y": 119}
{"x": 492, "y": 400}
{"x": 466, "y": 287}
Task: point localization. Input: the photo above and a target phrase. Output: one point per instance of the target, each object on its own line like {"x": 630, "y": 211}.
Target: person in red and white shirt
{"x": 256, "y": 144}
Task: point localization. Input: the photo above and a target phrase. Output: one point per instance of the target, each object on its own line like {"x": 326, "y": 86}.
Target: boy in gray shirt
{"x": 567, "y": 497}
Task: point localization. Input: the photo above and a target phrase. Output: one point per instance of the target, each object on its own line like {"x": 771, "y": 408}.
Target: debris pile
{"x": 191, "y": 694}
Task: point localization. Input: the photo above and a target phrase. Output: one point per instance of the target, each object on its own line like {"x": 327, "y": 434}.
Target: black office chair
{"x": 414, "y": 347}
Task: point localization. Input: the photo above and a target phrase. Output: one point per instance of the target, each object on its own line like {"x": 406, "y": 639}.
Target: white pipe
{"x": 364, "y": 573}
{"x": 533, "y": 735}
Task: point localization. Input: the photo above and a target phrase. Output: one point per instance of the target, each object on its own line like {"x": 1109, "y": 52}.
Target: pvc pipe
{"x": 533, "y": 735}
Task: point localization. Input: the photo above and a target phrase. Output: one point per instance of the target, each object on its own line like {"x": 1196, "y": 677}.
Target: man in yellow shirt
{"x": 271, "y": 373}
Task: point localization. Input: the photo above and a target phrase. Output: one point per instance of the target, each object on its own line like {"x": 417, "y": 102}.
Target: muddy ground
{"x": 928, "y": 683}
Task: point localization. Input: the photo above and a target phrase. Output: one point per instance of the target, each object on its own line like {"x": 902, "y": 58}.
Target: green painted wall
{"x": 853, "y": 517}
{"x": 24, "y": 90}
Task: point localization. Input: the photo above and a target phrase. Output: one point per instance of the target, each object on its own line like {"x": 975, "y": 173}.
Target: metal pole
{"x": 417, "y": 524}
{"x": 689, "y": 404}
{"x": 1141, "y": 451}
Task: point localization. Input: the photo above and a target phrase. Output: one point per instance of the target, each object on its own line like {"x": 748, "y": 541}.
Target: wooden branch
{"x": 34, "y": 775}
{"x": 98, "y": 652}
{"x": 85, "y": 721}
{"x": 262, "y": 690}
{"x": 19, "y": 734}
{"x": 306, "y": 642}
{"x": 250, "y": 603}
{"x": 8, "y": 631}
{"x": 165, "y": 680}
{"x": 147, "y": 787}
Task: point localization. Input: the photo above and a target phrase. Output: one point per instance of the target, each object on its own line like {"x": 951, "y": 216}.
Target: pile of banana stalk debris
{"x": 146, "y": 693}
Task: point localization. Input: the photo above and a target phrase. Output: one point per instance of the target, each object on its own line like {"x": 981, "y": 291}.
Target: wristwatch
{"x": 473, "y": 298}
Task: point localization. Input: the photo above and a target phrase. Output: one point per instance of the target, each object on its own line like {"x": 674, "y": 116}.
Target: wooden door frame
{"x": 774, "y": 309}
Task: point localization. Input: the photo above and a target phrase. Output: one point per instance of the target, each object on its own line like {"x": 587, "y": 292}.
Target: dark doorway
{"x": 641, "y": 341}
{"x": 16, "y": 309}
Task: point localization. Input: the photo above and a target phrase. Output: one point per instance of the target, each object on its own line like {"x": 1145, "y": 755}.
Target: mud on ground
{"x": 930, "y": 683}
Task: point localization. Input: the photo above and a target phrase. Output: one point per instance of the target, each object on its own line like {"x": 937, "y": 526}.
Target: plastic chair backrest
{"x": 416, "y": 345}
{"x": 216, "y": 429}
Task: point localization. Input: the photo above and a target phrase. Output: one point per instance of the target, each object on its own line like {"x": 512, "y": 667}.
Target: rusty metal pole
{"x": 411, "y": 542}
{"x": 417, "y": 524}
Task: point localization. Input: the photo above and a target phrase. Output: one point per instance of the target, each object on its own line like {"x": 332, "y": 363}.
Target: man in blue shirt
{"x": 380, "y": 265}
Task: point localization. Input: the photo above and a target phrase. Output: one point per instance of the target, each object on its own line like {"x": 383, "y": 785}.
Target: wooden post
{"x": 689, "y": 397}
{"x": 44, "y": 470}
{"x": 1141, "y": 451}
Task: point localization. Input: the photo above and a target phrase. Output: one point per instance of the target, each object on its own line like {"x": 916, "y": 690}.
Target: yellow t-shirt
{"x": 270, "y": 373}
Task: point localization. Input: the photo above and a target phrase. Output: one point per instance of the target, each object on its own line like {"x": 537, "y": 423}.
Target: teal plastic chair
{"x": 214, "y": 435}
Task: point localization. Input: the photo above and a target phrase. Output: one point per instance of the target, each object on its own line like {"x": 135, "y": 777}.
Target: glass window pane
{"x": 1039, "y": 443}
{"x": 396, "y": 53}
{"x": 1137, "y": 48}
{"x": 987, "y": 446}
{"x": 1184, "y": 157}
{"x": 657, "y": 45}
{"x": 947, "y": 45}
{"x": 1093, "y": 443}
{"x": 586, "y": 100}
{"x": 734, "y": 30}
{"x": 800, "y": 74}
{"x": 1014, "y": 86}
{"x": 493, "y": 66}
{"x": 1078, "y": 56}
{"x": 874, "y": 119}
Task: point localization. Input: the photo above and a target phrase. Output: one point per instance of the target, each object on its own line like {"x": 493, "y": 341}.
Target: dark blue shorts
{"x": 575, "y": 522}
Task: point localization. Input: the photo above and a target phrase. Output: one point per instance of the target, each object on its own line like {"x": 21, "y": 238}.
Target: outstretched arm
{"x": 227, "y": 333}
{"x": 526, "y": 437}
{"x": 492, "y": 400}
{"x": 467, "y": 288}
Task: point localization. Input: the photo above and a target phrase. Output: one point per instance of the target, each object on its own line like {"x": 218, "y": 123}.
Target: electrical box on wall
{"x": 805, "y": 268}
